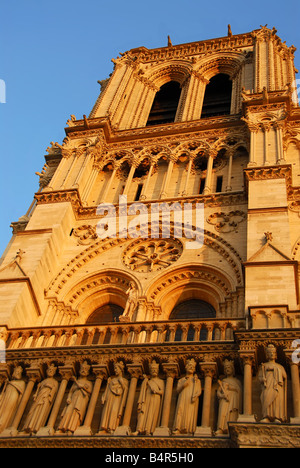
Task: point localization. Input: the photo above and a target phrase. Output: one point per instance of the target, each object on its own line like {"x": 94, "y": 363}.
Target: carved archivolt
{"x": 99, "y": 289}
{"x": 228, "y": 63}
{"x": 211, "y": 240}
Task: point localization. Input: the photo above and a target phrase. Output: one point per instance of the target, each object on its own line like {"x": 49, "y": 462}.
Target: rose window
{"x": 154, "y": 255}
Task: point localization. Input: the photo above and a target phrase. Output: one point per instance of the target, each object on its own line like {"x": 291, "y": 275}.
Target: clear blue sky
{"x": 52, "y": 54}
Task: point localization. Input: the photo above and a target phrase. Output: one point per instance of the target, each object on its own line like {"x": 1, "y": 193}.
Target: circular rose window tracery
{"x": 152, "y": 255}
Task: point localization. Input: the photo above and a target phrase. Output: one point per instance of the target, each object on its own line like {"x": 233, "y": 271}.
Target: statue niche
{"x": 230, "y": 398}
{"x": 150, "y": 402}
{"x": 113, "y": 399}
{"x": 10, "y": 398}
{"x": 273, "y": 379}
{"x": 42, "y": 402}
{"x": 189, "y": 390}
{"x": 78, "y": 398}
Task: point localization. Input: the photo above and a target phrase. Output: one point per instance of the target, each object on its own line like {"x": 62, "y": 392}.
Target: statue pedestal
{"x": 162, "y": 432}
{"x": 295, "y": 420}
{"x": 9, "y": 432}
{"x": 122, "y": 431}
{"x": 246, "y": 418}
{"x": 203, "y": 431}
{"x": 83, "y": 431}
{"x": 45, "y": 432}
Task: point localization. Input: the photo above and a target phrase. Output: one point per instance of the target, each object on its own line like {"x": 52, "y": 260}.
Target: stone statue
{"x": 273, "y": 379}
{"x": 230, "y": 398}
{"x": 189, "y": 390}
{"x": 78, "y": 398}
{"x": 131, "y": 303}
{"x": 10, "y": 398}
{"x": 43, "y": 400}
{"x": 114, "y": 399}
{"x": 150, "y": 401}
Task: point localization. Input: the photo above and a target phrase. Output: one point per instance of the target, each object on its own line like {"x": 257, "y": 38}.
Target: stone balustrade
{"x": 123, "y": 333}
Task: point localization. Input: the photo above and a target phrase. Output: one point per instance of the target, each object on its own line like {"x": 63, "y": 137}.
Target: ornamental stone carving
{"x": 273, "y": 379}
{"x": 78, "y": 398}
{"x": 43, "y": 400}
{"x": 131, "y": 304}
{"x": 114, "y": 399}
{"x": 150, "y": 401}
{"x": 188, "y": 389}
{"x": 11, "y": 397}
{"x": 153, "y": 255}
{"x": 227, "y": 222}
{"x": 230, "y": 398}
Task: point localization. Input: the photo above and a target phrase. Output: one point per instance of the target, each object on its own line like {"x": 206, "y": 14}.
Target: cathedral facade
{"x": 150, "y": 295}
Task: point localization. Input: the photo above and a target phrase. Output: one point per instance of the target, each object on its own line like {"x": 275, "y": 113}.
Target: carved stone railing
{"x": 124, "y": 333}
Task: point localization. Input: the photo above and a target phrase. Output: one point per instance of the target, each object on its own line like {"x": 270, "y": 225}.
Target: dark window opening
{"x": 219, "y": 184}
{"x": 217, "y": 98}
{"x": 193, "y": 309}
{"x": 138, "y": 192}
{"x": 202, "y": 185}
{"x": 105, "y": 313}
{"x": 165, "y": 104}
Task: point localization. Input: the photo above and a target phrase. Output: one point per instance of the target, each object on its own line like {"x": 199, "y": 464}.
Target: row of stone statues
{"x": 272, "y": 377}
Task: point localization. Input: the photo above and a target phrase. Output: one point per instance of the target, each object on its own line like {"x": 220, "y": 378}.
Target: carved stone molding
{"x": 265, "y": 435}
{"x": 227, "y": 222}
{"x": 152, "y": 255}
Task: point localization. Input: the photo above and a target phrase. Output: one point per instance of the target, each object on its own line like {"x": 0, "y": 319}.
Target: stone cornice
{"x": 191, "y": 49}
{"x": 90, "y": 127}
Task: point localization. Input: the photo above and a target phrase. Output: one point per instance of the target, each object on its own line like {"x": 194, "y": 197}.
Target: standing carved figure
{"x": 131, "y": 303}
{"x": 150, "y": 401}
{"x": 274, "y": 388}
{"x": 114, "y": 399}
{"x": 230, "y": 398}
{"x": 43, "y": 400}
{"x": 188, "y": 389}
{"x": 10, "y": 398}
{"x": 78, "y": 398}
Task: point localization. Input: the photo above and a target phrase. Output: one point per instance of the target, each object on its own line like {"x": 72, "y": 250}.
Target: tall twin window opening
{"x": 217, "y": 100}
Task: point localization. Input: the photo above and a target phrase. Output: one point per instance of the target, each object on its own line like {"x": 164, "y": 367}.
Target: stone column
{"x": 67, "y": 371}
{"x": 101, "y": 372}
{"x": 129, "y": 179}
{"x": 164, "y": 190}
{"x": 90, "y": 182}
{"x": 279, "y": 141}
{"x": 187, "y": 180}
{"x": 247, "y": 358}
{"x": 34, "y": 374}
{"x": 108, "y": 186}
{"x": 209, "y": 370}
{"x": 172, "y": 371}
{"x": 266, "y": 129}
{"x": 253, "y": 129}
{"x": 136, "y": 371}
{"x": 208, "y": 180}
{"x": 295, "y": 386}
{"x": 144, "y": 194}
{"x": 229, "y": 173}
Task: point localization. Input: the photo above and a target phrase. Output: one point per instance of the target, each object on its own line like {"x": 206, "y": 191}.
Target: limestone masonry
{"x": 146, "y": 340}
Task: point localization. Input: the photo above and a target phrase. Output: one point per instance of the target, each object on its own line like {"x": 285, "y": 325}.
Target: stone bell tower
{"x": 157, "y": 268}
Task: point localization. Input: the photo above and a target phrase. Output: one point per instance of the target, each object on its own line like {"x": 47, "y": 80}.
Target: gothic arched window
{"x": 193, "y": 309}
{"x": 165, "y": 104}
{"x": 106, "y": 313}
{"x": 217, "y": 98}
